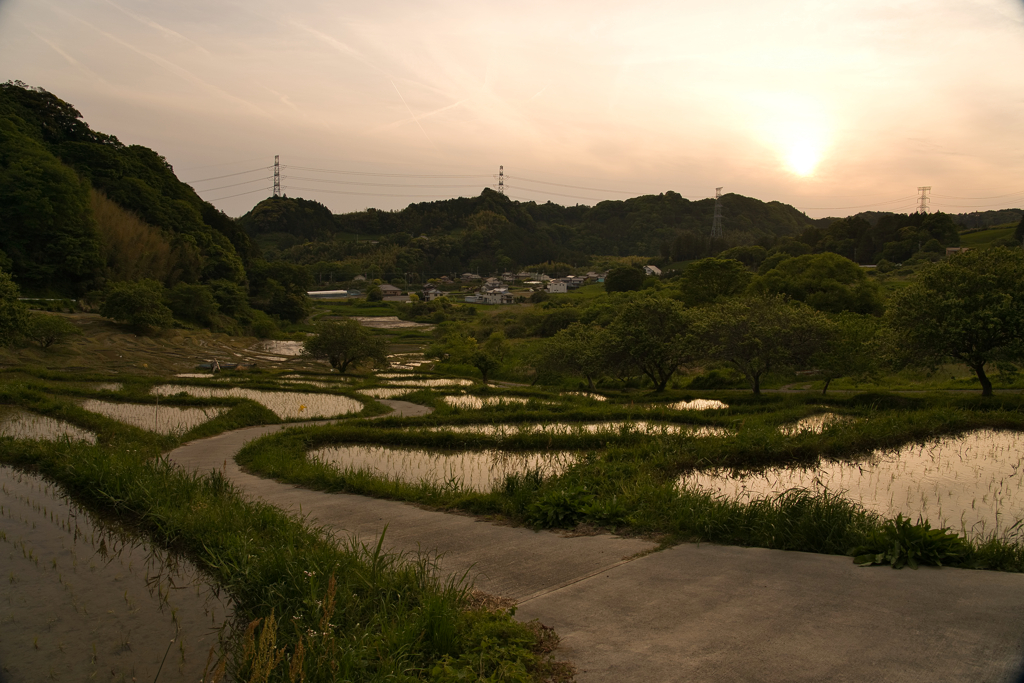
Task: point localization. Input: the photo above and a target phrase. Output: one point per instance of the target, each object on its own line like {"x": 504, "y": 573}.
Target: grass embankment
{"x": 317, "y": 609}
{"x": 628, "y": 481}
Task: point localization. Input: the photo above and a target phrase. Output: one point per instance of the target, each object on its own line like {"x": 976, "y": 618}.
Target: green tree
{"x": 194, "y": 303}
{"x": 759, "y": 334}
{"x": 47, "y": 330}
{"x": 653, "y": 335}
{"x": 968, "y": 308}
{"x": 1018, "y": 234}
{"x": 490, "y": 355}
{"x": 138, "y": 304}
{"x": 13, "y": 313}
{"x": 706, "y": 280}
{"x": 576, "y": 350}
{"x": 827, "y": 282}
{"x": 345, "y": 343}
{"x": 624, "y": 279}
{"x": 849, "y": 350}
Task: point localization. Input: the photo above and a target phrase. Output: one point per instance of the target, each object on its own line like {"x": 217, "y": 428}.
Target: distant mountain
{"x": 490, "y": 230}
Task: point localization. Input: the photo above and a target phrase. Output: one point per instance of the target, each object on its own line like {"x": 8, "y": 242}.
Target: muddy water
{"x": 389, "y": 322}
{"x": 472, "y": 470}
{"x": 82, "y": 602}
{"x": 286, "y": 404}
{"x": 153, "y": 418}
{"x": 973, "y": 483}
{"x": 640, "y": 427}
{"x": 280, "y": 348}
{"x": 22, "y": 424}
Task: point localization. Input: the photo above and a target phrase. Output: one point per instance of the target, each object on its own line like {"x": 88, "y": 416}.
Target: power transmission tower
{"x": 501, "y": 180}
{"x": 716, "y": 225}
{"x": 922, "y": 199}
{"x": 277, "y": 175}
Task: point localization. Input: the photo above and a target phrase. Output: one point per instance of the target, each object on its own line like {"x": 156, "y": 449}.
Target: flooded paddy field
{"x": 467, "y": 402}
{"x": 386, "y": 392}
{"x": 431, "y": 383}
{"x": 389, "y": 322}
{"x": 972, "y": 483}
{"x": 279, "y": 348}
{"x": 699, "y": 404}
{"x": 83, "y": 601}
{"x": 22, "y": 424}
{"x": 569, "y": 428}
{"x": 286, "y": 404}
{"x": 471, "y": 470}
{"x": 153, "y": 418}
{"x": 815, "y": 424}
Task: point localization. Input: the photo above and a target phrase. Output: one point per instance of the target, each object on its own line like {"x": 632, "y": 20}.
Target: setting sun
{"x": 803, "y": 157}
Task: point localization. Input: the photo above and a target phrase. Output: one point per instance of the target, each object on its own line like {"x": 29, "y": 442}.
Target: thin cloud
{"x": 159, "y": 27}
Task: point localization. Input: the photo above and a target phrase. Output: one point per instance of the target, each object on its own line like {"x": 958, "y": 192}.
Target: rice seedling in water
{"x": 286, "y": 404}
{"x": 161, "y": 419}
{"x": 22, "y": 424}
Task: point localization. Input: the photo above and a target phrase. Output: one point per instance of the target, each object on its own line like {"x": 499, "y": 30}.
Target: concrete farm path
{"x": 692, "y": 612}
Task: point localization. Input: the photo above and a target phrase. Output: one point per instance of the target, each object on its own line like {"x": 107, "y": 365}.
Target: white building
{"x": 497, "y": 298}
{"x": 556, "y": 287}
{"x": 652, "y": 270}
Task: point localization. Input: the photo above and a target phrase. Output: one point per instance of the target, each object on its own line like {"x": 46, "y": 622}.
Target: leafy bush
{"x": 560, "y": 509}
{"x": 900, "y": 543}
{"x": 138, "y": 304}
{"x": 47, "y": 330}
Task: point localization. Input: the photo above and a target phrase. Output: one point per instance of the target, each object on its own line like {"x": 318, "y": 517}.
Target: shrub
{"x": 47, "y": 330}
{"x": 137, "y": 304}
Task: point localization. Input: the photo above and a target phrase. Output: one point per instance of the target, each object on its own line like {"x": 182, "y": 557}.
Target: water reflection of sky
{"x": 153, "y": 418}
{"x": 82, "y": 602}
{"x": 286, "y": 404}
{"x": 473, "y": 470}
{"x": 973, "y": 483}
{"x": 22, "y": 424}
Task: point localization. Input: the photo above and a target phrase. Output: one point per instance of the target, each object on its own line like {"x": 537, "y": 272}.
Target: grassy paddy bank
{"x": 629, "y": 480}
{"x": 308, "y": 606}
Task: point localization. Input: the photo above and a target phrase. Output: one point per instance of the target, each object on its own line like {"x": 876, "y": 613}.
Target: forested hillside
{"x": 77, "y": 206}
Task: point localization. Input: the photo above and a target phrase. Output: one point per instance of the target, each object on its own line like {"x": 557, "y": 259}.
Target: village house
{"x": 558, "y": 287}
{"x": 497, "y": 297}
{"x": 652, "y": 270}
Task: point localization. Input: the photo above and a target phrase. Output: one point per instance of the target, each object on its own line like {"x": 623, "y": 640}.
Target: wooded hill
{"x": 79, "y": 208}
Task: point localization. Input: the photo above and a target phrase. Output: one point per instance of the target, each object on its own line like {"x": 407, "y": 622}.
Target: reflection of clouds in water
{"x": 595, "y": 397}
{"x": 21, "y": 424}
{"x": 476, "y": 471}
{"x": 286, "y": 404}
{"x": 972, "y": 483}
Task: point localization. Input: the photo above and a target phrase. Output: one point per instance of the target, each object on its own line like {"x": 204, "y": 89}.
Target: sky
{"x": 834, "y": 107}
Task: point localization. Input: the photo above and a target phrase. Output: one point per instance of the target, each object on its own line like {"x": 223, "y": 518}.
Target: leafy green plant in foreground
{"x": 899, "y": 543}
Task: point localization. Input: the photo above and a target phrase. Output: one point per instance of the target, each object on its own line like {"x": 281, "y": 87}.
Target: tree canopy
{"x": 967, "y": 308}
{"x": 344, "y": 343}
{"x": 827, "y": 282}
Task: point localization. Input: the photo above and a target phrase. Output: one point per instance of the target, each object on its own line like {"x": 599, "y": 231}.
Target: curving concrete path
{"x": 692, "y": 612}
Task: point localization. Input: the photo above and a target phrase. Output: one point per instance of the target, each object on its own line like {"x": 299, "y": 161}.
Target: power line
{"x": 261, "y": 189}
{"x": 367, "y": 194}
{"x": 356, "y": 182}
{"x": 862, "y": 206}
{"x": 224, "y": 187}
{"x": 391, "y": 175}
{"x": 572, "y": 187}
{"x": 229, "y": 175}
{"x": 998, "y": 196}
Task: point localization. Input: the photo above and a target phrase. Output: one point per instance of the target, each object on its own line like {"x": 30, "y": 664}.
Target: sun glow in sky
{"x": 825, "y": 106}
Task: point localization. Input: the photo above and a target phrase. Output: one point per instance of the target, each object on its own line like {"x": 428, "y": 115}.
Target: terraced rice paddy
{"x": 468, "y": 470}
{"x": 568, "y": 428}
{"x": 22, "y": 424}
{"x": 81, "y": 601}
{"x": 153, "y": 418}
{"x": 287, "y": 405}
{"x": 466, "y": 402}
{"x": 699, "y": 404}
{"x": 386, "y": 392}
{"x": 972, "y": 483}
{"x": 815, "y": 424}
